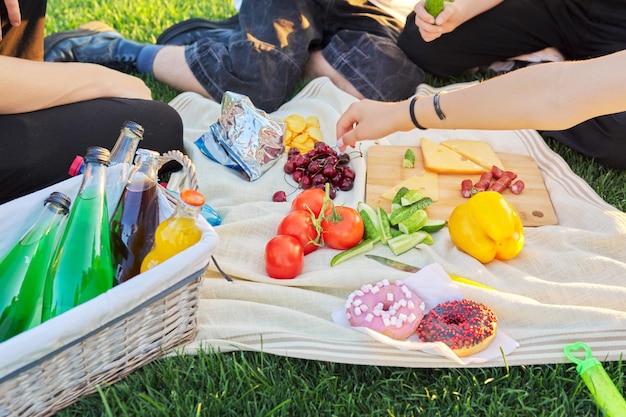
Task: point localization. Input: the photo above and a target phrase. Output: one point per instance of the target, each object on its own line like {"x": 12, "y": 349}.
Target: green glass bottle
{"x": 82, "y": 266}
{"x": 23, "y": 269}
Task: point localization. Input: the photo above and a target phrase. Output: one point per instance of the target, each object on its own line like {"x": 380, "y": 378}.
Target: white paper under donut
{"x": 433, "y": 285}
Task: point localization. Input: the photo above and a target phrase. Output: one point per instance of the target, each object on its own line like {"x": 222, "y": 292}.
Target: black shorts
{"x": 37, "y": 148}
{"x": 579, "y": 29}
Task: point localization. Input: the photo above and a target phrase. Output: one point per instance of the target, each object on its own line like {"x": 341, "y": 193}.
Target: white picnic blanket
{"x": 567, "y": 285}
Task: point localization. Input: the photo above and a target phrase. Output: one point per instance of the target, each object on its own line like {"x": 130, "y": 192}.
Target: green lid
{"x": 582, "y": 366}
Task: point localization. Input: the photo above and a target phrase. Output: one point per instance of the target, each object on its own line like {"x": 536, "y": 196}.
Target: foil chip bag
{"x": 244, "y": 138}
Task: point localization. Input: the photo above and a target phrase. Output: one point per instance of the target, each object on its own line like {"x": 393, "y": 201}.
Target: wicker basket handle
{"x": 191, "y": 179}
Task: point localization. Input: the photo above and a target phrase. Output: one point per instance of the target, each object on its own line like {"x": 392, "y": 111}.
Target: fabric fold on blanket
{"x": 567, "y": 285}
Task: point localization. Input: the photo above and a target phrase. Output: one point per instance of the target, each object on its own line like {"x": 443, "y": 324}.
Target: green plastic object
{"x": 602, "y": 388}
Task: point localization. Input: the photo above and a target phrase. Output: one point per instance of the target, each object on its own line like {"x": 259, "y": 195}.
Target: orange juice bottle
{"x": 178, "y": 232}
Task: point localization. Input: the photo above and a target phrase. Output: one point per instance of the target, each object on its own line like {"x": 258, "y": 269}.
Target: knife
{"x": 410, "y": 268}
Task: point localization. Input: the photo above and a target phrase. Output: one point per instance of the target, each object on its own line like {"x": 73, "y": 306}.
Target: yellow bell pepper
{"x": 487, "y": 227}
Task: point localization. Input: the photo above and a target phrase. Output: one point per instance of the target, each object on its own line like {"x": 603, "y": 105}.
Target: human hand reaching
{"x": 369, "y": 119}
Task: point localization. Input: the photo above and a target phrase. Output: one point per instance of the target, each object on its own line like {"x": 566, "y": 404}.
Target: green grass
{"x": 256, "y": 384}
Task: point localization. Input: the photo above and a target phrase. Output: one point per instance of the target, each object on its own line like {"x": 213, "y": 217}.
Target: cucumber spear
{"x": 434, "y": 7}
{"x": 408, "y": 161}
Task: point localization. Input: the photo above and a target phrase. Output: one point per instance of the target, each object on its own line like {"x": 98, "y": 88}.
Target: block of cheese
{"x": 441, "y": 159}
{"x": 427, "y": 182}
{"x": 477, "y": 151}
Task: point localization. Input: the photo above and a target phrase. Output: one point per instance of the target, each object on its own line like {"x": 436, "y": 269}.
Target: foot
{"x": 93, "y": 42}
{"x": 190, "y": 30}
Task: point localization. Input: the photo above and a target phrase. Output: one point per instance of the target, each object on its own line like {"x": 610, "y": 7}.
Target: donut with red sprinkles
{"x": 466, "y": 326}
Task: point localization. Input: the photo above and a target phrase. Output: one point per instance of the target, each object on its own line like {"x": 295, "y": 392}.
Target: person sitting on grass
{"x": 51, "y": 112}
{"x": 471, "y": 34}
{"x": 548, "y": 97}
{"x": 264, "y": 52}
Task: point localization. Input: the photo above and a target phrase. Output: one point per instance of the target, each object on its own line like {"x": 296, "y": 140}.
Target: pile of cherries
{"x": 319, "y": 166}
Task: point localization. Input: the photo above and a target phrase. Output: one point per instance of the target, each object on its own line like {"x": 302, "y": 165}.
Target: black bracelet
{"x": 437, "y": 107}
{"x": 412, "y": 113}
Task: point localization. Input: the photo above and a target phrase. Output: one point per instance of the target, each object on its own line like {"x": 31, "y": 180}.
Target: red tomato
{"x": 311, "y": 198}
{"x": 284, "y": 257}
{"x": 344, "y": 231}
{"x": 299, "y": 224}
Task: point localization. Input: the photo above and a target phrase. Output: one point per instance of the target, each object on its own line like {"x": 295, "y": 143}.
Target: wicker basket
{"x": 190, "y": 172}
{"x": 164, "y": 320}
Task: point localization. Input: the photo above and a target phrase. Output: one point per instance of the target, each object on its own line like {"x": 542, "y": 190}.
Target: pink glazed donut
{"x": 391, "y": 309}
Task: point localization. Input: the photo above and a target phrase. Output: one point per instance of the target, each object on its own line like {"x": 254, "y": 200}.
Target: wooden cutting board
{"x": 384, "y": 171}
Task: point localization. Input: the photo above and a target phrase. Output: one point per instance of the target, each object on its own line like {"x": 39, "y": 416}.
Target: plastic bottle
{"x": 24, "y": 268}
{"x": 82, "y": 265}
{"x": 178, "y": 232}
{"x": 208, "y": 212}
{"x": 136, "y": 218}
{"x": 602, "y": 388}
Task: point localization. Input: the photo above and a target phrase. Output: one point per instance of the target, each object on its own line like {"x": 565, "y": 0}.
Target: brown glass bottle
{"x": 136, "y": 217}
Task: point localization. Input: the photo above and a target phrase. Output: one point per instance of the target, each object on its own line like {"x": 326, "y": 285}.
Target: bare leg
{"x": 317, "y": 66}
{"x": 171, "y": 68}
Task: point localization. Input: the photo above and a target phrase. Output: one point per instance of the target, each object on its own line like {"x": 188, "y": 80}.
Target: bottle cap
{"x": 134, "y": 127}
{"x": 76, "y": 166}
{"x": 146, "y": 154}
{"x": 192, "y": 197}
{"x": 582, "y": 366}
{"x": 59, "y": 199}
{"x": 98, "y": 154}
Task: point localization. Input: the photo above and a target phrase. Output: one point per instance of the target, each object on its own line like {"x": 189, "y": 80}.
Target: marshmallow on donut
{"x": 391, "y": 309}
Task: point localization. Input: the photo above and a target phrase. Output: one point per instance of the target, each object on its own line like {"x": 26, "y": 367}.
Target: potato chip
{"x": 302, "y": 133}
{"x": 312, "y": 121}
{"x": 300, "y": 140}
{"x": 295, "y": 123}
{"x": 315, "y": 133}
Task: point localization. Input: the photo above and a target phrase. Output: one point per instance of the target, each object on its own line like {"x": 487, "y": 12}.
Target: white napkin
{"x": 433, "y": 285}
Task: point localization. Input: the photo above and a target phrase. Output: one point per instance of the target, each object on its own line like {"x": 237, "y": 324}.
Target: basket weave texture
{"x": 106, "y": 355}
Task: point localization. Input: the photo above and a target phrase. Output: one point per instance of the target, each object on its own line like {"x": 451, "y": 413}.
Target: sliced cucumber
{"x": 423, "y": 203}
{"x": 428, "y": 239}
{"x": 410, "y": 197}
{"x": 414, "y": 222}
{"x": 402, "y": 213}
{"x": 408, "y": 161}
{"x": 406, "y": 242}
{"x": 396, "y": 202}
{"x": 371, "y": 224}
{"x": 385, "y": 226}
{"x": 434, "y": 225}
{"x": 363, "y": 247}
{"x": 405, "y": 212}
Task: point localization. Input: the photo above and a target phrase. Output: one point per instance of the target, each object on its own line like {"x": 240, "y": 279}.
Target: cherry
{"x": 279, "y": 197}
